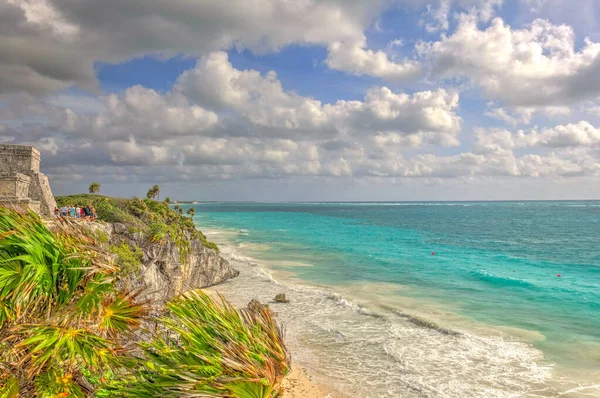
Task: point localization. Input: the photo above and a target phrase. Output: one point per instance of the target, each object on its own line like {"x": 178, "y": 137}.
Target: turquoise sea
{"x": 427, "y": 299}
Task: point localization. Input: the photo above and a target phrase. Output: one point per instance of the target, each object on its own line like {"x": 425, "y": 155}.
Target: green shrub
{"x": 101, "y": 236}
{"x": 129, "y": 260}
{"x": 137, "y": 207}
{"x": 158, "y": 231}
{"x": 133, "y": 229}
{"x": 156, "y": 219}
{"x": 61, "y": 316}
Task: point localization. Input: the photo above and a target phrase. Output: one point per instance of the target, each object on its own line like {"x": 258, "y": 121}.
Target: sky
{"x": 307, "y": 100}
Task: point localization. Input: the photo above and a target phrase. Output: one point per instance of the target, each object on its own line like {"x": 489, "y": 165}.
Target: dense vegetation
{"x": 68, "y": 327}
{"x": 157, "y": 220}
{"x": 61, "y": 318}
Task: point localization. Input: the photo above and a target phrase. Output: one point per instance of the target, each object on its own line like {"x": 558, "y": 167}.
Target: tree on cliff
{"x": 154, "y": 192}
{"x": 167, "y": 200}
{"x": 94, "y": 187}
{"x": 191, "y": 211}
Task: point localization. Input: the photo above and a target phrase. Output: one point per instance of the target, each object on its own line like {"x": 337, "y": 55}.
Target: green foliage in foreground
{"x": 60, "y": 315}
{"x": 208, "y": 348}
{"x": 67, "y": 331}
{"x": 156, "y": 219}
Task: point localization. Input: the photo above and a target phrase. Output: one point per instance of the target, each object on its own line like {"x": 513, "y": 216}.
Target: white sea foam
{"x": 369, "y": 353}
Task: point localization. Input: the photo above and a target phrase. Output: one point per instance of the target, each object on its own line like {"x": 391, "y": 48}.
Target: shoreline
{"x": 299, "y": 384}
{"x": 317, "y": 333}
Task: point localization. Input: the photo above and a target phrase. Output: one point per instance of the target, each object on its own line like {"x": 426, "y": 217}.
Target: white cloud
{"x": 436, "y": 18}
{"x": 223, "y": 123}
{"x": 581, "y": 134}
{"x": 530, "y": 67}
{"x": 216, "y": 84}
{"x": 395, "y": 43}
{"x": 593, "y": 110}
{"x": 523, "y": 114}
{"x": 571, "y": 135}
{"x": 353, "y": 57}
{"x": 143, "y": 114}
{"x": 48, "y": 45}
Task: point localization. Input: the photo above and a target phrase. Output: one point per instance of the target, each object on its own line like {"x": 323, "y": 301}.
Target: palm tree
{"x": 167, "y": 200}
{"x": 61, "y": 318}
{"x": 207, "y": 348}
{"x": 94, "y": 187}
{"x": 191, "y": 211}
{"x": 154, "y": 192}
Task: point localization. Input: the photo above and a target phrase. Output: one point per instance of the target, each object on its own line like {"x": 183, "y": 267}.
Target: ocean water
{"x": 426, "y": 299}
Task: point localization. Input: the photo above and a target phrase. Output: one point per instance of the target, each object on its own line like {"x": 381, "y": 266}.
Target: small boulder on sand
{"x": 280, "y": 298}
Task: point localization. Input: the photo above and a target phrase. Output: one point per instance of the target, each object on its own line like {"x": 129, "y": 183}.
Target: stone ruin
{"x": 22, "y": 186}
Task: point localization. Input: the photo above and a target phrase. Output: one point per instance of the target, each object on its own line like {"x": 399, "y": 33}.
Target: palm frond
{"x": 210, "y": 349}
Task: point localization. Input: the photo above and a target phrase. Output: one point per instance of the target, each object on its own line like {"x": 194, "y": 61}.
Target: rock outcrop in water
{"x": 164, "y": 272}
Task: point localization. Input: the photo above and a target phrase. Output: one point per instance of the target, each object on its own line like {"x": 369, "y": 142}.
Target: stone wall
{"x": 19, "y": 159}
{"x": 20, "y": 179}
{"x": 21, "y": 205}
{"x": 40, "y": 190}
{"x": 14, "y": 185}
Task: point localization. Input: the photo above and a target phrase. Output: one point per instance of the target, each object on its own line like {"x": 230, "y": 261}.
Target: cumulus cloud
{"x": 353, "y": 57}
{"x": 581, "y": 134}
{"x": 236, "y": 122}
{"x": 531, "y": 67}
{"x": 219, "y": 122}
{"x": 143, "y": 114}
{"x": 47, "y": 45}
{"x": 217, "y": 85}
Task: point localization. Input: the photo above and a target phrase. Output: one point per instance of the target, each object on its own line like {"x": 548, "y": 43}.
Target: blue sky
{"x": 349, "y": 100}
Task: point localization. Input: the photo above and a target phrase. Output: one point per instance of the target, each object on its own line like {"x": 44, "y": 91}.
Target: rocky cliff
{"x": 164, "y": 271}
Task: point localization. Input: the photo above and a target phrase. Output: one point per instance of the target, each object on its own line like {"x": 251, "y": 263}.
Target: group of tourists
{"x": 85, "y": 213}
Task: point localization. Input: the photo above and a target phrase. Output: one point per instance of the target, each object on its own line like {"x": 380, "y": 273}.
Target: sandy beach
{"x": 299, "y": 384}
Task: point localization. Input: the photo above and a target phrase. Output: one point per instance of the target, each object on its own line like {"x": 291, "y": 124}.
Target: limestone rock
{"x": 164, "y": 275}
{"x": 99, "y": 228}
{"x": 119, "y": 228}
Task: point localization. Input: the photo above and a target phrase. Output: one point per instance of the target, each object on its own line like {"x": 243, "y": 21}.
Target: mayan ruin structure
{"x": 22, "y": 186}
